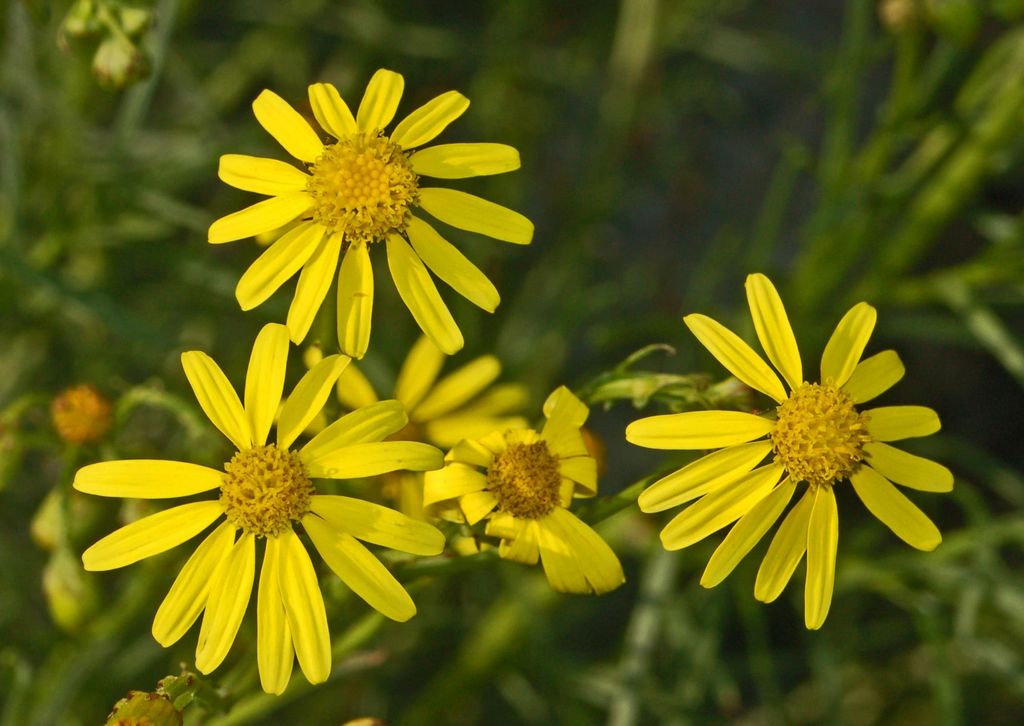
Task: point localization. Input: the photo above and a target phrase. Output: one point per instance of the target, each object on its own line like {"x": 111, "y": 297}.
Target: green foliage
{"x": 668, "y": 150}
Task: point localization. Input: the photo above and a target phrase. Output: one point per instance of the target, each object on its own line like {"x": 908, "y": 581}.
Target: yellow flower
{"x": 265, "y": 489}
{"x": 817, "y": 435}
{"x": 441, "y": 412}
{"x": 523, "y": 482}
{"x": 360, "y": 187}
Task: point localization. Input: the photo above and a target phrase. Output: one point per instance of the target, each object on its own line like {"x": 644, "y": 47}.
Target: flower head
{"x": 266, "y": 491}
{"x": 817, "y": 436}
{"x": 359, "y": 187}
{"x": 522, "y": 482}
{"x": 442, "y": 412}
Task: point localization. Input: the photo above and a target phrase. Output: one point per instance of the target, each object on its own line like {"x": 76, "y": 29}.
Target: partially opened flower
{"x": 265, "y": 490}
{"x": 359, "y": 187}
{"x": 523, "y": 481}
{"x": 460, "y": 405}
{"x": 816, "y": 436}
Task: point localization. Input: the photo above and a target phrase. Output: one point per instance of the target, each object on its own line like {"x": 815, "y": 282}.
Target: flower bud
{"x": 119, "y": 62}
{"x": 71, "y": 593}
{"x": 81, "y": 414}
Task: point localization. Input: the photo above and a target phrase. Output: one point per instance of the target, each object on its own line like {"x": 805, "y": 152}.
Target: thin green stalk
{"x": 642, "y": 636}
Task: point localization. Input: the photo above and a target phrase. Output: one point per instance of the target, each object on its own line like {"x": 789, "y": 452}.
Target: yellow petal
{"x": 459, "y": 161}
{"x": 446, "y": 431}
{"x": 146, "y": 479}
{"x": 474, "y": 214}
{"x": 894, "y": 510}
{"x": 282, "y": 259}
{"x": 274, "y": 654}
{"x": 308, "y": 398}
{"x": 420, "y": 295}
{"x": 893, "y": 423}
{"x": 360, "y": 570}
{"x": 380, "y": 101}
{"x": 574, "y": 557}
{"x": 303, "y": 607}
{"x": 379, "y": 525}
{"x": 908, "y": 470}
{"x": 150, "y": 535}
{"x": 563, "y": 411}
{"x": 874, "y": 376}
{"x": 262, "y": 176}
{"x": 582, "y": 470}
{"x": 355, "y": 301}
{"x": 314, "y": 282}
{"x": 354, "y": 389}
{"x": 595, "y": 559}
{"x": 564, "y": 442}
{"x": 719, "y": 508}
{"x": 458, "y": 387}
{"x": 217, "y": 398}
{"x": 523, "y": 544}
{"x": 187, "y": 596}
{"x": 822, "y": 541}
{"x": 418, "y": 372}
{"x": 477, "y": 505}
{"x": 844, "y": 348}
{"x": 738, "y": 357}
{"x": 746, "y": 533}
{"x": 707, "y": 474}
{"x": 785, "y": 552}
{"x": 773, "y": 328}
{"x": 358, "y": 460}
{"x": 471, "y": 452}
{"x": 259, "y": 217}
{"x": 370, "y": 423}
{"x": 230, "y": 588}
{"x": 697, "y": 430}
{"x": 452, "y": 266}
{"x": 429, "y": 120}
{"x": 287, "y": 127}
{"x": 454, "y": 480}
{"x": 499, "y": 400}
{"x": 331, "y": 111}
{"x": 264, "y": 379}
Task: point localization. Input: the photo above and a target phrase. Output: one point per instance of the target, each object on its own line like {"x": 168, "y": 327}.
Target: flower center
{"x": 525, "y": 479}
{"x": 363, "y": 186}
{"x": 819, "y": 436}
{"x": 265, "y": 488}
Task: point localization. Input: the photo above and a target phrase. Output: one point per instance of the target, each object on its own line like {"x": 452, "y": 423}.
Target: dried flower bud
{"x": 81, "y": 414}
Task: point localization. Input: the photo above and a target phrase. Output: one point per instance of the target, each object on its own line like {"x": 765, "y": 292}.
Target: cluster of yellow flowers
{"x": 361, "y": 186}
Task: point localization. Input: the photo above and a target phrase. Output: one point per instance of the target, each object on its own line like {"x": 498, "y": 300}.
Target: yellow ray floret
{"x": 817, "y": 436}
{"x": 265, "y": 491}
{"x": 358, "y": 187}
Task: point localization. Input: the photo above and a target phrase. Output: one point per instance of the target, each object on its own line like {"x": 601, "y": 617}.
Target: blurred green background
{"x": 851, "y": 151}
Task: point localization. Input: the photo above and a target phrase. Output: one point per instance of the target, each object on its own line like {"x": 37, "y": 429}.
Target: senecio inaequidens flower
{"x": 522, "y": 482}
{"x": 265, "y": 490}
{"x": 817, "y": 436}
{"x": 359, "y": 188}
